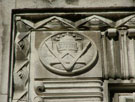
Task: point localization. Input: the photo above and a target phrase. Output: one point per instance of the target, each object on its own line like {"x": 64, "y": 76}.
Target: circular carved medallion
{"x": 68, "y": 53}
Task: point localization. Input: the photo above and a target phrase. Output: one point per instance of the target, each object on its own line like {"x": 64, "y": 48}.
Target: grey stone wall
{"x": 6, "y": 7}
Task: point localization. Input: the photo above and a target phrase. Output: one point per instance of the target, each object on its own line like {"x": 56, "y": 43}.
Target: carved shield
{"x": 68, "y": 53}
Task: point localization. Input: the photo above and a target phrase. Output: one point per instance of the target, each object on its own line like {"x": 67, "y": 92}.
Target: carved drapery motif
{"x": 123, "y": 55}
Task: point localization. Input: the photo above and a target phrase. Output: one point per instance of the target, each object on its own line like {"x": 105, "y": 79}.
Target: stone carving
{"x": 126, "y": 31}
{"x": 21, "y": 72}
{"x": 69, "y": 60}
{"x": 118, "y": 49}
{"x": 55, "y": 23}
{"x": 126, "y": 22}
{"x": 94, "y": 22}
{"x": 39, "y": 87}
{"x": 70, "y": 53}
{"x": 73, "y": 90}
{"x": 67, "y": 53}
{"x": 21, "y": 82}
{"x": 21, "y": 67}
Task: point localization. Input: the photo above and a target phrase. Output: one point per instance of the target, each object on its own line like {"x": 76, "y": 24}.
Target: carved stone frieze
{"x": 94, "y": 23}
{"x": 128, "y": 21}
{"x": 55, "y": 23}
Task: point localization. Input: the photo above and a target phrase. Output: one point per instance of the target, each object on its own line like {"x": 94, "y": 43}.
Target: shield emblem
{"x": 67, "y": 52}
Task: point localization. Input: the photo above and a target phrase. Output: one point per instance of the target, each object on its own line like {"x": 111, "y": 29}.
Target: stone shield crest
{"x": 68, "y": 53}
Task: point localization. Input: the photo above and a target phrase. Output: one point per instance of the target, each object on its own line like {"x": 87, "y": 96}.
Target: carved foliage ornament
{"x": 68, "y": 53}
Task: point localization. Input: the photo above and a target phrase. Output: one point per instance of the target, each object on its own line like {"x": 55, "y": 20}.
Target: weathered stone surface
{"x": 29, "y": 3}
{"x": 74, "y": 3}
{"x": 5, "y": 31}
{"x": 1, "y": 32}
{"x": 58, "y": 45}
{"x": 112, "y": 32}
{"x": 6, "y": 19}
{"x": 3, "y": 98}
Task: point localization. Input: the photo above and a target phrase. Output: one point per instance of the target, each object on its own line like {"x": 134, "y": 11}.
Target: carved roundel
{"x": 68, "y": 53}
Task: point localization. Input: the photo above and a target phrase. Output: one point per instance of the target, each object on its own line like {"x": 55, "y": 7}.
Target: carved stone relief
{"x": 60, "y": 54}
{"x": 66, "y": 53}
{"x": 120, "y": 63}
{"x": 63, "y": 53}
{"x": 68, "y": 90}
{"x": 21, "y": 67}
{"x": 94, "y": 23}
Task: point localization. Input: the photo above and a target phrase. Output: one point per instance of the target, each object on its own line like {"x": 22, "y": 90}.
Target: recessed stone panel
{"x": 79, "y": 49}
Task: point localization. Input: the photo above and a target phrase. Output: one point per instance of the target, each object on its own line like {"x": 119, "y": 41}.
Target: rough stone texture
{"x": 74, "y": 3}
{"x": 6, "y": 9}
{"x": 1, "y": 32}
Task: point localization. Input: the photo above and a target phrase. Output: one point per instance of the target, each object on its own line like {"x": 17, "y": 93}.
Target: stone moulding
{"x": 69, "y": 89}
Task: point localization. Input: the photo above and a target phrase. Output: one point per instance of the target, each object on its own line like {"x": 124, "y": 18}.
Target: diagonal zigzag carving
{"x": 75, "y": 25}
{"x": 68, "y": 23}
